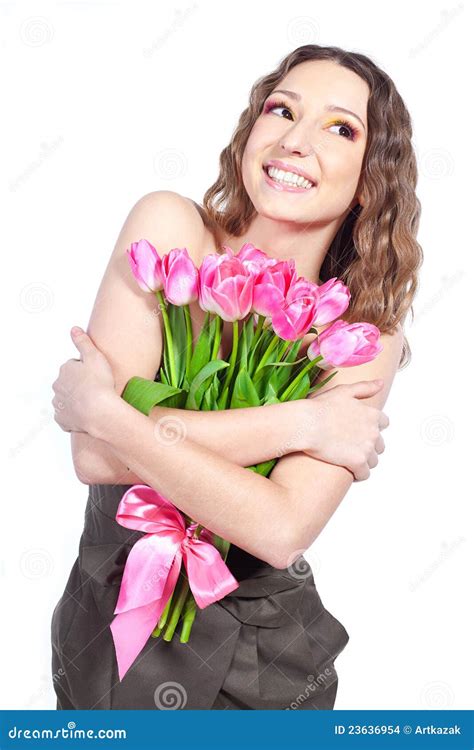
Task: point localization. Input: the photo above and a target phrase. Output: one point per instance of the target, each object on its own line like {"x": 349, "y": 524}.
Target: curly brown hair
{"x": 375, "y": 252}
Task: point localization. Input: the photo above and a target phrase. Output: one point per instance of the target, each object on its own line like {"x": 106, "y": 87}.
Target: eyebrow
{"x": 328, "y": 107}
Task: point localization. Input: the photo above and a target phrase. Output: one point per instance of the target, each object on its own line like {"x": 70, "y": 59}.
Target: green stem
{"x": 189, "y": 613}
{"x": 163, "y": 618}
{"x": 189, "y": 340}
{"x": 270, "y": 348}
{"x": 169, "y": 338}
{"x": 181, "y": 595}
{"x": 294, "y": 383}
{"x": 217, "y": 337}
{"x": 233, "y": 359}
{"x": 258, "y": 329}
{"x": 173, "y": 620}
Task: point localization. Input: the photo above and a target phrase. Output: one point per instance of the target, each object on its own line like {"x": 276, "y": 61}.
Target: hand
{"x": 345, "y": 431}
{"x": 81, "y": 385}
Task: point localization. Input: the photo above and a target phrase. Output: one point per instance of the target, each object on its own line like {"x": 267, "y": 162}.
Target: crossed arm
{"x": 203, "y": 474}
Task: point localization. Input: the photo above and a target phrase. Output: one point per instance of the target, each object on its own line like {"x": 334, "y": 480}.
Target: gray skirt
{"x": 270, "y": 644}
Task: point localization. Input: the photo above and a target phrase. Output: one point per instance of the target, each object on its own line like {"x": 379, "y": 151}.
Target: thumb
{"x": 81, "y": 340}
{"x": 365, "y": 388}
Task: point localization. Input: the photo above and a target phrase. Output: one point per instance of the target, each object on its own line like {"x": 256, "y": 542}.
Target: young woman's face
{"x": 328, "y": 145}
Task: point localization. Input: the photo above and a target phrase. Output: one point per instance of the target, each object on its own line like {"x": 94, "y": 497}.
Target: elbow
{"x": 296, "y": 545}
{"x": 286, "y": 551}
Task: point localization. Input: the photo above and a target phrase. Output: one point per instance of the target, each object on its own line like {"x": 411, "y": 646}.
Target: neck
{"x": 306, "y": 244}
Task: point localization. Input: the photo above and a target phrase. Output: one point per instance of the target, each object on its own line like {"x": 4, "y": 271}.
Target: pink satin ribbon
{"x": 152, "y": 569}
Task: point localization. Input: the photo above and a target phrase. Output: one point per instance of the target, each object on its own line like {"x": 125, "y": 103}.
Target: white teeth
{"x": 291, "y": 178}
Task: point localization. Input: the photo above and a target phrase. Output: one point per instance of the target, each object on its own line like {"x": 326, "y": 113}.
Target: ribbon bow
{"x": 152, "y": 569}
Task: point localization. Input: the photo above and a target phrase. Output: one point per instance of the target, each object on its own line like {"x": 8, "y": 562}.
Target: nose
{"x": 294, "y": 142}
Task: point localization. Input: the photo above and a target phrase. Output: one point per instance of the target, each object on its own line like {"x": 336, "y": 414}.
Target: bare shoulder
{"x": 173, "y": 220}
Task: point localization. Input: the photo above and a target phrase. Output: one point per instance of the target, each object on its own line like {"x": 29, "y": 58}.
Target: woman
{"x": 337, "y": 119}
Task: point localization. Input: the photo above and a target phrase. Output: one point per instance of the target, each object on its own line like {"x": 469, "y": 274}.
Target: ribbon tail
{"x": 131, "y": 629}
{"x": 209, "y": 577}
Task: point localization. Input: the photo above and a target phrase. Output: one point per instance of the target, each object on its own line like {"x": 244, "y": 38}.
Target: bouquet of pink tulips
{"x": 276, "y": 309}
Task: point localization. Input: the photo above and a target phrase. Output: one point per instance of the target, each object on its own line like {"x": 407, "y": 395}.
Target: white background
{"x": 107, "y": 101}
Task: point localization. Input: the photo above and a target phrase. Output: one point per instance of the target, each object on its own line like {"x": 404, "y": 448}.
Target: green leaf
{"x": 244, "y": 392}
{"x": 178, "y": 330}
{"x": 271, "y": 396}
{"x": 206, "y": 403}
{"x": 301, "y": 389}
{"x": 221, "y": 544}
{"x": 323, "y": 382}
{"x": 199, "y": 383}
{"x": 257, "y": 349}
{"x": 246, "y": 338}
{"x": 263, "y": 468}
{"x": 144, "y": 394}
{"x": 202, "y": 350}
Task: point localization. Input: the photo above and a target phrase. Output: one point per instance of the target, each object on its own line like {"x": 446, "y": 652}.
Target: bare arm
{"x": 243, "y": 507}
{"x": 270, "y": 518}
{"x": 317, "y": 488}
{"x": 247, "y": 436}
{"x": 125, "y": 326}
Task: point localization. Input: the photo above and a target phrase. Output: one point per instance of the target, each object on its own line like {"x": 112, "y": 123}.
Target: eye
{"x": 270, "y": 106}
{"x": 345, "y": 125}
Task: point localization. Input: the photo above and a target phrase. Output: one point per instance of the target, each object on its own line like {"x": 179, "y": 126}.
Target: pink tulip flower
{"x": 225, "y": 286}
{"x": 271, "y": 286}
{"x": 346, "y": 344}
{"x": 180, "y": 277}
{"x": 333, "y": 301}
{"x": 294, "y": 319}
{"x": 254, "y": 259}
{"x": 146, "y": 266}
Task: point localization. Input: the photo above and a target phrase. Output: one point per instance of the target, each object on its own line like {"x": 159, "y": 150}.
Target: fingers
{"x": 364, "y": 388}
{"x": 379, "y": 444}
{"x": 361, "y": 473}
{"x": 383, "y": 421}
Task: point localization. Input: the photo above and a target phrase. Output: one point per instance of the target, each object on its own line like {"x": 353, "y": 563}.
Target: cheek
{"x": 341, "y": 170}
{"x": 251, "y": 159}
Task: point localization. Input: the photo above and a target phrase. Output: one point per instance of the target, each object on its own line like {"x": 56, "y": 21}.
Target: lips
{"x": 287, "y": 186}
{"x": 289, "y": 168}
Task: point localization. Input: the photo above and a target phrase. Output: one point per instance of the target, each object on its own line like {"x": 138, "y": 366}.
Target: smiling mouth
{"x": 286, "y": 184}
